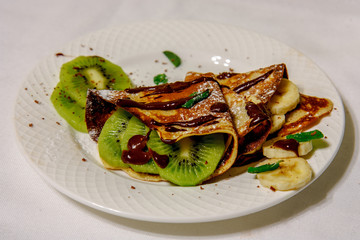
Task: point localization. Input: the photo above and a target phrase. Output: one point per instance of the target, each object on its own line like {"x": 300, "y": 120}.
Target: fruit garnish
{"x": 285, "y": 99}
{"x": 94, "y": 72}
{"x": 76, "y": 77}
{"x": 285, "y": 148}
{"x": 128, "y": 141}
{"x": 292, "y": 174}
{"x": 111, "y": 137}
{"x": 197, "y": 97}
{"x": 306, "y": 136}
{"x": 191, "y": 160}
{"x": 68, "y": 108}
{"x": 160, "y": 79}
{"x": 175, "y": 59}
{"x": 137, "y": 129}
{"x": 265, "y": 167}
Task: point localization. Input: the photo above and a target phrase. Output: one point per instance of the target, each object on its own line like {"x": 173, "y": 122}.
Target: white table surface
{"x": 328, "y": 32}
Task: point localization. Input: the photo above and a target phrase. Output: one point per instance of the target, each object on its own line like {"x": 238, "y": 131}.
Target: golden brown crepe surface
{"x": 247, "y": 95}
{"x": 159, "y": 107}
{"x": 308, "y": 112}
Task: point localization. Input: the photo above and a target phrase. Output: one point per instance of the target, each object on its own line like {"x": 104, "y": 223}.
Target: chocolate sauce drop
{"x": 136, "y": 151}
{"x": 255, "y": 113}
{"x": 161, "y": 160}
{"x": 289, "y": 145}
{"x": 219, "y": 107}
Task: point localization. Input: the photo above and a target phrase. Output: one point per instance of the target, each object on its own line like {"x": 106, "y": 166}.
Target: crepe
{"x": 161, "y": 109}
{"x": 308, "y": 112}
{"x": 247, "y": 95}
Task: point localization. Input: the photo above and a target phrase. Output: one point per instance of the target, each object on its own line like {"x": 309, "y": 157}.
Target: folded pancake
{"x": 308, "y": 112}
{"x": 247, "y": 95}
{"x": 174, "y": 111}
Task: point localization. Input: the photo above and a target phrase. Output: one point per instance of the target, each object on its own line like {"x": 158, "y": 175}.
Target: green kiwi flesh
{"x": 109, "y": 141}
{"x": 191, "y": 160}
{"x": 76, "y": 77}
{"x": 68, "y": 108}
{"x": 136, "y": 127}
{"x": 94, "y": 72}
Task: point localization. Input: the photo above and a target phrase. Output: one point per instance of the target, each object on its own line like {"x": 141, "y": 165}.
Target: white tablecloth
{"x": 328, "y": 32}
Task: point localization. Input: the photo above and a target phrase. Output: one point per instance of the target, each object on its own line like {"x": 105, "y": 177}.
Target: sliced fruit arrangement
{"x": 187, "y": 162}
{"x": 137, "y": 129}
{"x": 109, "y": 142}
{"x": 79, "y": 75}
{"x": 293, "y": 145}
{"x": 114, "y": 139}
{"x": 174, "y": 139}
{"x": 284, "y": 148}
{"x": 277, "y": 120}
{"x": 169, "y": 133}
{"x": 191, "y": 160}
{"x": 285, "y": 99}
{"x": 285, "y": 169}
{"x": 68, "y": 108}
{"x": 292, "y": 174}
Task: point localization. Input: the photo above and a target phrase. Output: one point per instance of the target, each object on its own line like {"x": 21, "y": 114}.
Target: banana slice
{"x": 277, "y": 122}
{"x": 285, "y": 99}
{"x": 293, "y": 173}
{"x": 285, "y": 148}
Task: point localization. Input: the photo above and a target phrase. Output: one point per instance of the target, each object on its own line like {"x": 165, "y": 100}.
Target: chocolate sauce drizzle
{"x": 137, "y": 152}
{"x": 245, "y": 86}
{"x": 169, "y": 105}
{"x": 255, "y": 113}
{"x": 173, "y": 129}
{"x": 191, "y": 123}
{"x": 168, "y": 88}
{"x": 162, "y": 89}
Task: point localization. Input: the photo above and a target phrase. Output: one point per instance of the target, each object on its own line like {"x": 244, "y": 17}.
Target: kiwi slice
{"x": 93, "y": 72}
{"x": 191, "y": 160}
{"x": 68, "y": 108}
{"x": 136, "y": 127}
{"x": 109, "y": 141}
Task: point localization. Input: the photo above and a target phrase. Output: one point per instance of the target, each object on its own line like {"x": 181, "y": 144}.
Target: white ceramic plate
{"x": 69, "y": 160}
